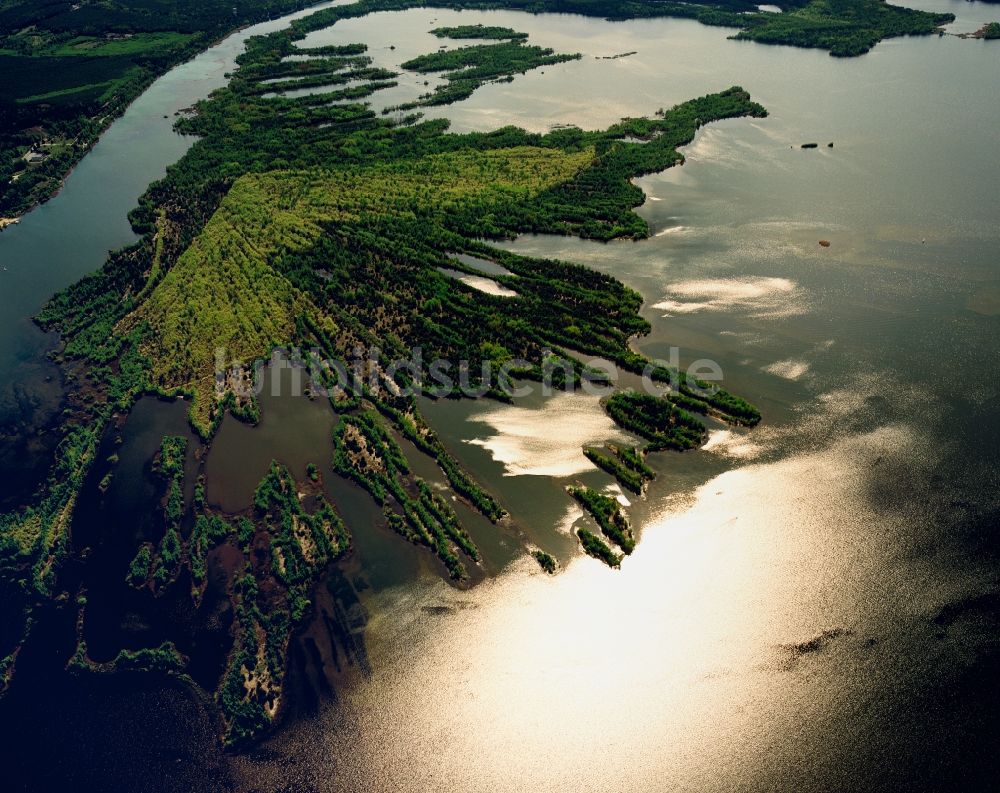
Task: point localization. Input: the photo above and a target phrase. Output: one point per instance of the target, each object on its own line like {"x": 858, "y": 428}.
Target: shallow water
{"x": 483, "y": 284}
{"x": 483, "y": 265}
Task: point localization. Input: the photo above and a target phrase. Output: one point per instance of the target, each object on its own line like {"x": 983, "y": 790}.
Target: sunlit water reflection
{"x": 779, "y": 625}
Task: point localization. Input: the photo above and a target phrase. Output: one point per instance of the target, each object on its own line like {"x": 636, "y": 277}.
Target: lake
{"x": 812, "y": 604}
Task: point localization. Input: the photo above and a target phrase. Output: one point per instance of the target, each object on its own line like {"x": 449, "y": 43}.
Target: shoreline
{"x": 983, "y": 33}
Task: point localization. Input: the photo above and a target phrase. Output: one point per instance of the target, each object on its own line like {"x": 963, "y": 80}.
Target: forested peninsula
{"x": 312, "y": 221}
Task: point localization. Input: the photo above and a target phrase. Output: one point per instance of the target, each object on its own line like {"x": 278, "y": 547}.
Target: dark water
{"x": 81, "y": 730}
{"x": 812, "y": 605}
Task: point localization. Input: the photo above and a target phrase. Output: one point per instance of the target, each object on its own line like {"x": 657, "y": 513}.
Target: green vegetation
{"x": 294, "y": 536}
{"x": 331, "y": 66}
{"x": 285, "y": 212}
{"x": 165, "y": 658}
{"x": 139, "y": 570}
{"x": 366, "y": 453}
{"x": 633, "y": 460}
{"x": 271, "y": 598}
{"x": 208, "y": 531}
{"x": 844, "y": 27}
{"x": 170, "y": 461}
{"x": 626, "y": 465}
{"x": 705, "y": 398}
{"x": 245, "y": 532}
{"x": 479, "y": 32}
{"x": 609, "y": 516}
{"x": 990, "y": 31}
{"x": 596, "y": 547}
{"x": 34, "y": 540}
{"x": 293, "y": 547}
{"x": 269, "y": 238}
{"x": 249, "y": 695}
{"x": 301, "y": 543}
{"x": 412, "y": 426}
{"x": 657, "y": 419}
{"x": 169, "y": 464}
{"x": 468, "y": 68}
{"x": 167, "y": 564}
{"x": 70, "y": 71}
{"x": 545, "y": 560}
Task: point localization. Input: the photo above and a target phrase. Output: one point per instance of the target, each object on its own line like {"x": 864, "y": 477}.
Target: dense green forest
{"x": 312, "y": 222}
{"x": 545, "y": 560}
{"x": 479, "y": 32}
{"x": 844, "y": 27}
{"x": 596, "y": 547}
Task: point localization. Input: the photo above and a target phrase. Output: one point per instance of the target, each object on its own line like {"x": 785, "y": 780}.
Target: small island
{"x": 466, "y": 69}
{"x": 545, "y": 560}
{"x": 479, "y": 31}
{"x": 609, "y": 516}
{"x": 596, "y": 547}
{"x": 625, "y": 465}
